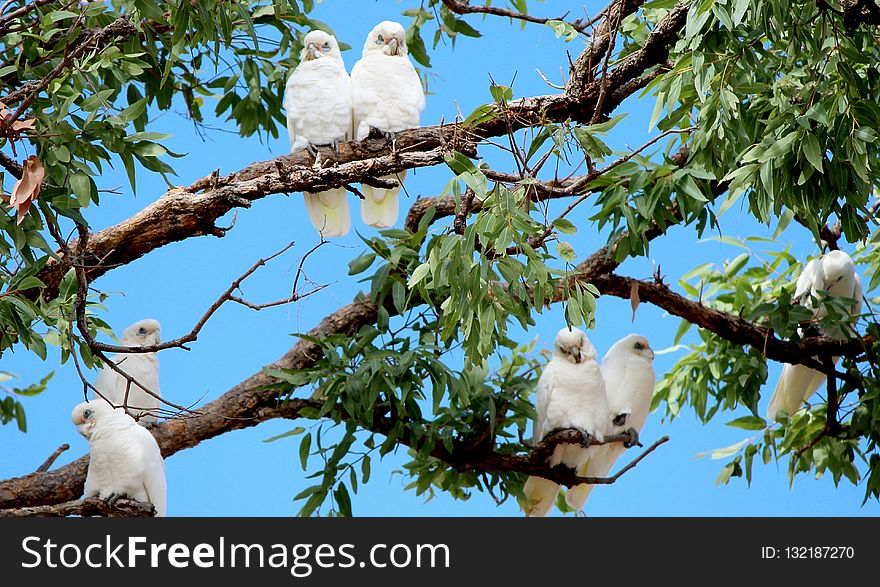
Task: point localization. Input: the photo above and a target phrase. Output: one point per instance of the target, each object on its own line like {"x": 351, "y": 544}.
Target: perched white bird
{"x": 124, "y": 458}
{"x": 142, "y": 367}
{"x": 571, "y": 394}
{"x": 386, "y": 95}
{"x": 834, "y": 273}
{"x": 317, "y": 99}
{"x": 628, "y": 371}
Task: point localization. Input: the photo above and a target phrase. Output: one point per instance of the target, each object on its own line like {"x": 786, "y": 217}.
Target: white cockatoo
{"x": 571, "y": 394}
{"x": 834, "y": 273}
{"x": 628, "y": 371}
{"x": 386, "y": 95}
{"x": 318, "y": 104}
{"x": 143, "y": 368}
{"x": 124, "y": 458}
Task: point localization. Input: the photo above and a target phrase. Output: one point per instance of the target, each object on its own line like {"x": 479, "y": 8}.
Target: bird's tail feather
{"x": 540, "y": 495}
{"x": 380, "y": 206}
{"x": 598, "y": 465}
{"x": 328, "y": 211}
{"x": 796, "y": 384}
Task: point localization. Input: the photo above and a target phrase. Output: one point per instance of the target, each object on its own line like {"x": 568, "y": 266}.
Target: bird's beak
{"x": 393, "y": 44}
{"x": 576, "y": 353}
{"x": 311, "y": 52}
{"x": 82, "y": 428}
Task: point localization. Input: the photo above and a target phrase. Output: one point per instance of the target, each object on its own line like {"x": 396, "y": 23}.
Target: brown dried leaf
{"x": 634, "y": 298}
{"x": 21, "y": 125}
{"x": 27, "y": 189}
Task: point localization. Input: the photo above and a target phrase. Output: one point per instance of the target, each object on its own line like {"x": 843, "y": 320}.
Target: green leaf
{"x": 460, "y": 164}
{"x": 738, "y": 263}
{"x": 480, "y": 115}
{"x": 343, "y": 500}
{"x": 361, "y": 263}
{"x": 305, "y": 446}
{"x": 419, "y": 274}
{"x": 565, "y": 226}
{"x": 294, "y": 432}
{"x": 748, "y": 423}
{"x": 81, "y": 185}
{"x": 810, "y": 147}
{"x": 565, "y": 252}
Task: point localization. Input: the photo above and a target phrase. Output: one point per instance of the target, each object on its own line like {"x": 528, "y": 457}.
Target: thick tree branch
{"x": 729, "y": 326}
{"x": 92, "y": 506}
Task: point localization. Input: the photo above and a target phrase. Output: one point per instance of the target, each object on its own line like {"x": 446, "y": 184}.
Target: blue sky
{"x": 238, "y": 474}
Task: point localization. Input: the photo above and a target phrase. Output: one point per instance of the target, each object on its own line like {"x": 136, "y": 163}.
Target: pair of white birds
{"x": 124, "y": 458}
{"x": 575, "y": 391}
{"x": 325, "y": 106}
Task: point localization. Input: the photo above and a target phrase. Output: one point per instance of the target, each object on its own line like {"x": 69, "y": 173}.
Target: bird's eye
{"x": 87, "y": 414}
{"x": 380, "y": 40}
{"x": 639, "y": 346}
{"x": 142, "y": 331}
{"x": 326, "y": 47}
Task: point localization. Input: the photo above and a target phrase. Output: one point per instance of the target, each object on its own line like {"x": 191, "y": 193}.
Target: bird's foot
{"x": 318, "y": 164}
{"x": 619, "y": 419}
{"x": 113, "y": 498}
{"x": 633, "y": 438}
{"x": 312, "y": 149}
{"x": 588, "y": 438}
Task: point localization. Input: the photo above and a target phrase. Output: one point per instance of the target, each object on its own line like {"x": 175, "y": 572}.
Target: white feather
{"x": 628, "y": 371}
{"x": 571, "y": 394}
{"x": 124, "y": 458}
{"x": 142, "y": 367}
{"x": 834, "y": 273}
{"x": 317, "y": 99}
{"x": 387, "y": 95}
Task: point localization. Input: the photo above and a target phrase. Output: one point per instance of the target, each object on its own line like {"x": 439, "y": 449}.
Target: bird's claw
{"x": 633, "y": 438}
{"x": 379, "y": 133}
{"x": 113, "y": 498}
{"x": 312, "y": 149}
{"x": 588, "y": 438}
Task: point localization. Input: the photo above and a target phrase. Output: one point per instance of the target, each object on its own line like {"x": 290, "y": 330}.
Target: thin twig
{"x": 52, "y": 457}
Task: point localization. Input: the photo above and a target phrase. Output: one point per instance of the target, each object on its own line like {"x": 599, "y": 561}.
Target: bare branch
{"x": 465, "y": 7}
{"x": 52, "y": 457}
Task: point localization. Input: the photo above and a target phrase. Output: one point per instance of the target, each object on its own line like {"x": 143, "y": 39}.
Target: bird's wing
{"x": 542, "y": 401}
{"x": 144, "y": 370}
{"x": 153, "y": 467}
{"x": 808, "y": 282}
{"x": 106, "y": 383}
{"x": 317, "y": 99}
{"x": 386, "y": 94}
